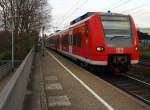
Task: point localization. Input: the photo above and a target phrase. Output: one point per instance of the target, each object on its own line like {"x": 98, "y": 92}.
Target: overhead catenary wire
{"x": 76, "y": 3}
{"x": 68, "y": 12}
{"x": 112, "y": 5}
{"x": 76, "y": 9}
{"x": 138, "y": 7}
{"x": 120, "y": 4}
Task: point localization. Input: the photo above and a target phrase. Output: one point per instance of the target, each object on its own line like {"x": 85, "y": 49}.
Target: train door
{"x": 70, "y": 42}
{"x": 86, "y": 35}
{"x": 86, "y": 42}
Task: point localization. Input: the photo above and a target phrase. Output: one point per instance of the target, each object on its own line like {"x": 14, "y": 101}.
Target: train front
{"x": 121, "y": 41}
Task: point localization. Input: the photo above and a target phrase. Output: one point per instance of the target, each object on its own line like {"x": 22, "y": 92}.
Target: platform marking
{"x": 83, "y": 84}
{"x": 53, "y": 86}
{"x": 51, "y": 78}
{"x": 58, "y": 101}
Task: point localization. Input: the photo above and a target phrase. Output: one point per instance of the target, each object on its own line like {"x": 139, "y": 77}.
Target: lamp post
{"x": 43, "y": 39}
{"x": 12, "y": 40}
{"x": 12, "y": 43}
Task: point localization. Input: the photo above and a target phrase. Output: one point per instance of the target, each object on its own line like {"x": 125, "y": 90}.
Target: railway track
{"x": 145, "y": 63}
{"x": 132, "y": 85}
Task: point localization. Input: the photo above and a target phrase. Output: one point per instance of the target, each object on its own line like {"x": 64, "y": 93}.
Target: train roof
{"x": 88, "y": 14}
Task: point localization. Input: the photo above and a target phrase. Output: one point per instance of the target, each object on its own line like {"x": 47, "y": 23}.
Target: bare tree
{"x": 28, "y": 15}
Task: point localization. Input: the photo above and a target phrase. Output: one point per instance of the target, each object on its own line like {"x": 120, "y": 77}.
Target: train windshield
{"x": 117, "y": 30}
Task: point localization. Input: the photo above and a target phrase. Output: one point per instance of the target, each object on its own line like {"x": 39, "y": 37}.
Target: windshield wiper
{"x": 119, "y": 37}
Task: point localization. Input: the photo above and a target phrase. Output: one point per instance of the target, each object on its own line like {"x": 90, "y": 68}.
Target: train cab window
{"x": 117, "y": 28}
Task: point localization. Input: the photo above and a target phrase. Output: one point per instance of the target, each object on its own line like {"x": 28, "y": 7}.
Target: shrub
{"x": 22, "y": 44}
{"x": 5, "y": 56}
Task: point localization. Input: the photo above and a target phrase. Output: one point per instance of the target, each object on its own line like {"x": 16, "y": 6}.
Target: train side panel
{"x": 96, "y": 39}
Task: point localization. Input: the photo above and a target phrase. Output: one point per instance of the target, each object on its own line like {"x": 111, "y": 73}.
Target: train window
{"x": 70, "y": 39}
{"x": 79, "y": 39}
{"x": 56, "y": 41}
{"x": 67, "y": 40}
{"x": 86, "y": 30}
{"x": 74, "y": 39}
{"x": 64, "y": 40}
{"x": 60, "y": 40}
{"x": 117, "y": 28}
{"x": 86, "y": 33}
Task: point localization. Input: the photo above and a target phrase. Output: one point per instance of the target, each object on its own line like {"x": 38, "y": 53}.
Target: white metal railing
{"x": 12, "y": 95}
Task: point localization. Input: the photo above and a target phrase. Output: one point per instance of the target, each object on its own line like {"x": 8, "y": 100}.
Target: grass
{"x": 5, "y": 56}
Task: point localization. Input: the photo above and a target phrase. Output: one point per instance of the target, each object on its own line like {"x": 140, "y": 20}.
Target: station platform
{"x": 58, "y": 84}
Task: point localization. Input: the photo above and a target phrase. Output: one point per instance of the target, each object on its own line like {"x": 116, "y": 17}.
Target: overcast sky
{"x": 63, "y": 11}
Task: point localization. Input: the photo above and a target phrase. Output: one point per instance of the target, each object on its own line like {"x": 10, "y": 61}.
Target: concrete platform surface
{"x": 59, "y": 84}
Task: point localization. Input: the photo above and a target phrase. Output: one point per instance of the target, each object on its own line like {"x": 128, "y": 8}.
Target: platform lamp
{"x": 43, "y": 38}
{"x": 12, "y": 40}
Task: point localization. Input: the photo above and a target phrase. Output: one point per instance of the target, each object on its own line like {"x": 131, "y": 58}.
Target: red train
{"x": 99, "y": 39}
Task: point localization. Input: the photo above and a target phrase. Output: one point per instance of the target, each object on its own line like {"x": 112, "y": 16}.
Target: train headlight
{"x": 99, "y": 49}
{"x": 136, "y": 48}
